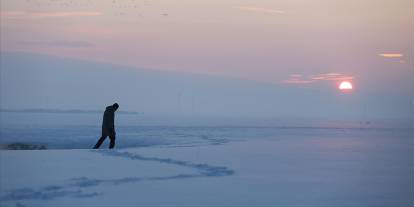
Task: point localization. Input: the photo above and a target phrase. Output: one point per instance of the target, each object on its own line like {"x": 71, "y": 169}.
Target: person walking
{"x": 108, "y": 126}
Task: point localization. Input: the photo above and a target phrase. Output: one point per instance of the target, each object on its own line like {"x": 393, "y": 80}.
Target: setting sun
{"x": 345, "y": 86}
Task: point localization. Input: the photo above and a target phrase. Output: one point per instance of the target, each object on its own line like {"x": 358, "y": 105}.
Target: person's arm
{"x": 112, "y": 118}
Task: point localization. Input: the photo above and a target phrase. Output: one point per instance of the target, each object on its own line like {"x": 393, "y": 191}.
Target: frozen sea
{"x": 230, "y": 162}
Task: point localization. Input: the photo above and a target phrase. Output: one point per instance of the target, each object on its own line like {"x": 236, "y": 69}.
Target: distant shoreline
{"x": 65, "y": 111}
{"x": 22, "y": 146}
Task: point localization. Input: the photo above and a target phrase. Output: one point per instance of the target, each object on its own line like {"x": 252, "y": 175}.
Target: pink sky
{"x": 290, "y": 42}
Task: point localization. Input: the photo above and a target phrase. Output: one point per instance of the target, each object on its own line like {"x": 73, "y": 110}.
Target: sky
{"x": 288, "y": 43}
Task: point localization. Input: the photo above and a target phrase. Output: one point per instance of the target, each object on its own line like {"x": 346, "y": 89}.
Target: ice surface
{"x": 329, "y": 170}
{"x": 221, "y": 163}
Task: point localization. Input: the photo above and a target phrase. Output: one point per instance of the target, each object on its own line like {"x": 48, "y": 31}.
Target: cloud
{"x": 297, "y": 79}
{"x": 11, "y": 14}
{"x": 89, "y": 29}
{"x": 260, "y": 9}
{"x": 26, "y": 14}
{"x": 67, "y": 14}
{"x": 331, "y": 76}
{"x": 301, "y": 79}
{"x": 58, "y": 44}
{"x": 391, "y": 55}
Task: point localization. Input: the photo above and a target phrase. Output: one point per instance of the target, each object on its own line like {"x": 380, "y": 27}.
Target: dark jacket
{"x": 108, "y": 118}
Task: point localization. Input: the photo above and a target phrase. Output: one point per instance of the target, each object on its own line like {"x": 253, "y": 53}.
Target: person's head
{"x": 116, "y": 106}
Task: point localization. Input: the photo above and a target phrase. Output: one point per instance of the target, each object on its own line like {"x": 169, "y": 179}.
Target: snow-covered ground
{"x": 273, "y": 171}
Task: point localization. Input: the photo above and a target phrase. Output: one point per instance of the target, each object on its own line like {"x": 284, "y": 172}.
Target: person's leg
{"x": 102, "y": 139}
{"x": 112, "y": 139}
